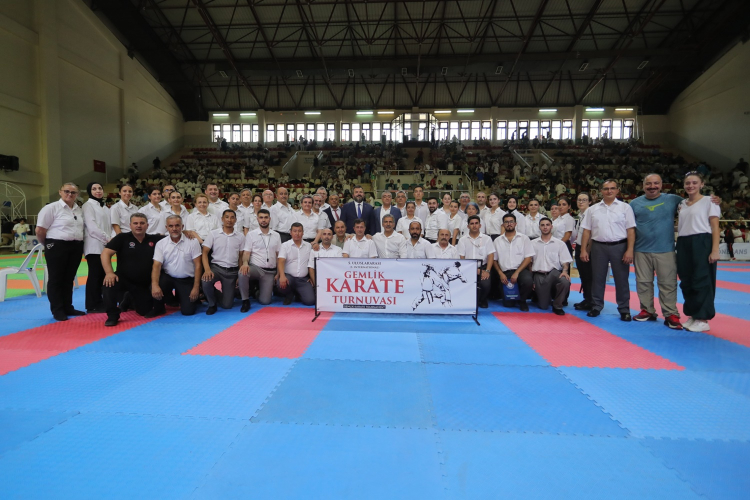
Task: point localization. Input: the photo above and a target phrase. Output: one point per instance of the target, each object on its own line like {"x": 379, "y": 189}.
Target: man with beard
{"x": 550, "y": 269}
{"x": 436, "y": 221}
{"x": 418, "y": 247}
{"x": 478, "y": 246}
{"x": 259, "y": 260}
{"x": 360, "y": 246}
{"x": 514, "y": 253}
{"x": 357, "y": 209}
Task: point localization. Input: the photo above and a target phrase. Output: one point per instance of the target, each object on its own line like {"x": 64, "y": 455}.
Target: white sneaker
{"x": 699, "y": 325}
{"x": 687, "y": 324}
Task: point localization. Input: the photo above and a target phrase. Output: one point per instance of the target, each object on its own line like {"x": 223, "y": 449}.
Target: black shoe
{"x": 625, "y": 317}
{"x": 582, "y": 306}
{"x": 559, "y": 312}
{"x": 288, "y": 300}
{"x": 524, "y": 306}
{"x": 483, "y": 304}
{"x": 60, "y": 317}
{"x": 153, "y": 314}
{"x": 565, "y": 303}
{"x": 75, "y": 312}
{"x": 245, "y": 306}
{"x": 97, "y": 310}
{"x": 111, "y": 322}
{"x": 593, "y": 313}
{"x": 211, "y": 310}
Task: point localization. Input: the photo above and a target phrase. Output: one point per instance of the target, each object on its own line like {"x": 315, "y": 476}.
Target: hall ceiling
{"x": 378, "y": 54}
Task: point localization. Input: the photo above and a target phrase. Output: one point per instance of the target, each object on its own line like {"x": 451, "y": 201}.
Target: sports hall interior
{"x": 269, "y": 404}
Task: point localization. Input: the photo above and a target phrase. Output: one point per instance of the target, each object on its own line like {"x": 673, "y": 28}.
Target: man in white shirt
{"x": 514, "y": 253}
{"x": 482, "y": 204}
{"x": 390, "y": 244}
{"x": 418, "y": 247}
{"x": 359, "y": 246}
{"x": 326, "y": 249}
{"x": 168, "y": 188}
{"x": 267, "y": 199}
{"x": 323, "y": 192}
{"x": 246, "y": 203}
{"x": 318, "y": 202}
{"x": 435, "y": 221}
{"x": 421, "y": 210}
{"x": 550, "y": 268}
{"x": 339, "y": 234}
{"x": 20, "y": 233}
{"x": 333, "y": 212}
{"x": 215, "y": 205}
{"x": 225, "y": 245}
{"x": 611, "y": 225}
{"x": 532, "y": 220}
{"x": 177, "y": 266}
{"x": 478, "y": 246}
{"x": 259, "y": 259}
{"x": 282, "y": 215}
{"x": 443, "y": 249}
{"x": 309, "y": 219}
{"x": 463, "y": 202}
{"x": 293, "y": 261}
{"x": 401, "y": 202}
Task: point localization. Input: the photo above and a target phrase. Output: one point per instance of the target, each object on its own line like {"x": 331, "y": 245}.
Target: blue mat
{"x": 20, "y": 426}
{"x": 199, "y": 386}
{"x": 478, "y": 349}
{"x": 738, "y": 382}
{"x": 716, "y": 469}
{"x": 509, "y": 465}
{"x": 369, "y": 393}
{"x": 666, "y": 403}
{"x": 117, "y": 456}
{"x": 319, "y": 461}
{"x": 514, "y": 398}
{"x": 364, "y": 346}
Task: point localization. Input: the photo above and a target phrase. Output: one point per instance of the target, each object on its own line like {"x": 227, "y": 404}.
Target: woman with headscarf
{"x": 96, "y": 230}
{"x": 511, "y": 206}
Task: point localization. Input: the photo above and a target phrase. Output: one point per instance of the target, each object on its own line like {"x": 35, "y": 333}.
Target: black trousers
{"x": 139, "y": 293}
{"x": 95, "y": 282}
{"x": 183, "y": 287}
{"x": 697, "y": 275}
{"x": 584, "y": 272}
{"x": 63, "y": 258}
{"x": 525, "y": 283}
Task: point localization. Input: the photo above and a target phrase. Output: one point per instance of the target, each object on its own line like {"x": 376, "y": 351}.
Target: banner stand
{"x": 438, "y": 286}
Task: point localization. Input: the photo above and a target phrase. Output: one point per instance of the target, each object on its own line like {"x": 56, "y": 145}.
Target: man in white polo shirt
{"x": 259, "y": 259}
{"x": 418, "y": 247}
{"x": 443, "y": 248}
{"x": 177, "y": 266}
{"x": 282, "y": 214}
{"x": 326, "y": 249}
{"x": 435, "y": 221}
{"x": 294, "y": 258}
{"x": 611, "y": 225}
{"x": 478, "y": 246}
{"x": 390, "y": 244}
{"x": 514, "y": 253}
{"x": 225, "y": 245}
{"x": 215, "y": 205}
{"x": 550, "y": 269}
{"x": 360, "y": 246}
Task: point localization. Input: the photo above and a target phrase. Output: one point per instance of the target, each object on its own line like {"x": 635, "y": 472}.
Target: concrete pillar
{"x": 577, "y": 121}
{"x": 261, "y": 115}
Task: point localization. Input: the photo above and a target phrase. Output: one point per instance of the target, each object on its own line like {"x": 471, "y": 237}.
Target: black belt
{"x": 235, "y": 268}
{"x": 610, "y": 243}
{"x": 269, "y": 269}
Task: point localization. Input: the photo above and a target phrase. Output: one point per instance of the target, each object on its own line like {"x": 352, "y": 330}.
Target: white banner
{"x": 741, "y": 251}
{"x": 401, "y": 286}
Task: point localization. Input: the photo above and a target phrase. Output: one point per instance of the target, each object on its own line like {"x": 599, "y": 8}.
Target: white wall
{"x": 69, "y": 95}
{"x": 710, "y": 120}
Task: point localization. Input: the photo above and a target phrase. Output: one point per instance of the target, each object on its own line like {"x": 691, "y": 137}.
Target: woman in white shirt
{"x": 493, "y": 219}
{"x": 564, "y": 225}
{"x": 697, "y": 253}
{"x": 454, "y": 222}
{"x": 152, "y": 210}
{"x": 251, "y": 216}
{"x": 201, "y": 222}
{"x": 402, "y": 226}
{"x": 512, "y": 207}
{"x": 471, "y": 209}
{"x": 96, "y": 230}
{"x": 122, "y": 210}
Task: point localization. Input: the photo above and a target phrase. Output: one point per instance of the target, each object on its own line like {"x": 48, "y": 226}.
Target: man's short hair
{"x": 357, "y": 187}
{"x": 617, "y": 184}
{"x": 264, "y": 211}
{"x": 173, "y": 216}
{"x": 228, "y": 210}
{"x": 415, "y": 222}
{"x": 296, "y": 224}
{"x": 139, "y": 216}
{"x": 389, "y": 216}
{"x": 649, "y": 175}
{"x": 509, "y": 216}
{"x": 323, "y": 188}
{"x": 212, "y": 184}
{"x": 246, "y": 189}
{"x": 545, "y": 219}
{"x": 433, "y": 198}
{"x": 474, "y": 217}
{"x": 400, "y": 191}
{"x": 359, "y": 221}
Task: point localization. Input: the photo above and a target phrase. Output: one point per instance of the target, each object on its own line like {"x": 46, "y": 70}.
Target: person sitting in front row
{"x": 293, "y": 261}
{"x": 550, "y": 267}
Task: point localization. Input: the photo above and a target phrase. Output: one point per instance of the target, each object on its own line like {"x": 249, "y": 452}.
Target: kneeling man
{"x": 294, "y": 257}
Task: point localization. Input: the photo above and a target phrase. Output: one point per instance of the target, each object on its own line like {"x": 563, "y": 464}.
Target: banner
{"x": 400, "y": 286}
{"x": 741, "y": 251}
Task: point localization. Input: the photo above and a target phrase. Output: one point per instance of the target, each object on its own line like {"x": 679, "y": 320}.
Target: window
{"x": 217, "y": 133}
{"x": 523, "y": 129}
{"x": 254, "y": 137}
{"x": 475, "y": 130}
{"x": 310, "y": 131}
{"x": 513, "y": 131}
{"x": 226, "y": 131}
{"x": 594, "y": 128}
{"x": 628, "y": 129}
{"x": 453, "y": 130}
{"x": 607, "y": 128}
{"x": 556, "y": 126}
{"x": 366, "y": 132}
{"x": 346, "y": 132}
{"x": 443, "y": 131}
{"x": 356, "y": 137}
{"x": 376, "y": 132}
{"x": 290, "y": 132}
{"x": 236, "y": 133}
{"x": 584, "y": 127}
{"x": 567, "y": 129}
{"x": 387, "y": 131}
{"x": 320, "y": 132}
{"x": 423, "y": 133}
{"x": 280, "y": 132}
{"x": 270, "y": 133}
{"x": 487, "y": 130}
{"x": 617, "y": 129}
{"x": 502, "y": 130}
{"x": 534, "y": 129}
{"x": 300, "y": 131}
{"x": 246, "y": 136}
{"x": 465, "y": 131}
{"x": 330, "y": 131}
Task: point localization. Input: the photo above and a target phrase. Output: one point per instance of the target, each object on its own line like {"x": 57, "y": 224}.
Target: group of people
{"x": 256, "y": 244}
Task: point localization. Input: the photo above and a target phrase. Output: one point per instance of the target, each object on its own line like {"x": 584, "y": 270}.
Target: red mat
{"x": 722, "y": 326}
{"x": 23, "y": 348}
{"x": 571, "y": 341}
{"x": 272, "y": 332}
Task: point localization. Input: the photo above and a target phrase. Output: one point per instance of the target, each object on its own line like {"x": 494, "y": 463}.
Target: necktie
{"x": 336, "y": 213}
{"x": 359, "y": 211}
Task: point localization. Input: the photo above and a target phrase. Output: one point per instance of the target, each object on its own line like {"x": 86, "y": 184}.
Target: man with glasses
{"x": 611, "y": 225}
{"x": 169, "y": 188}
{"x": 514, "y": 254}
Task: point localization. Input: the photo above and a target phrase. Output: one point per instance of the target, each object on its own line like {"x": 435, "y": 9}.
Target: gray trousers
{"x": 551, "y": 287}
{"x": 264, "y": 277}
{"x": 302, "y": 287}
{"x": 601, "y": 255}
{"x": 228, "y": 279}
{"x": 665, "y": 267}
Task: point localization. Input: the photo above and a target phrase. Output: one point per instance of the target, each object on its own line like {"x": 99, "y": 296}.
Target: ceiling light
{"x": 623, "y": 109}
{"x": 385, "y": 112}
{"x": 247, "y": 114}
{"x": 364, "y": 112}
{"x": 221, "y": 114}
{"x": 594, "y": 109}
{"x": 548, "y": 110}
{"x": 442, "y": 112}
{"x": 312, "y": 112}
{"x": 464, "y": 111}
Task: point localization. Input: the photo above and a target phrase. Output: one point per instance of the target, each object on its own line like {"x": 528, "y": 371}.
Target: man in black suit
{"x": 333, "y": 210}
{"x": 380, "y": 212}
{"x": 357, "y": 209}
